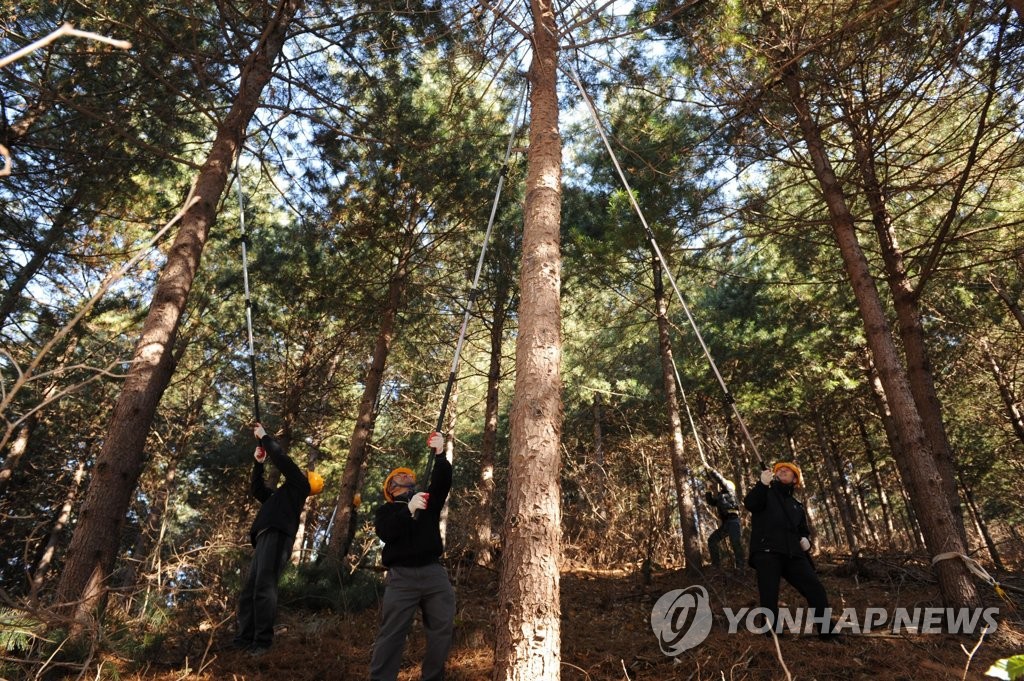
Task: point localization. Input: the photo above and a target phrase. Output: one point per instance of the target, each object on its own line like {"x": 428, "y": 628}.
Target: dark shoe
{"x": 258, "y": 651}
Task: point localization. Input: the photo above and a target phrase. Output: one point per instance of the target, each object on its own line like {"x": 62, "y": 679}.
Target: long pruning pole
{"x": 474, "y": 291}
{"x": 245, "y": 284}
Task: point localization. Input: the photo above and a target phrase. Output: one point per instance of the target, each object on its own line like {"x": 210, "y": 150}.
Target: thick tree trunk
{"x": 680, "y": 471}
{"x": 93, "y": 548}
{"x": 344, "y": 528}
{"x": 942, "y": 530}
{"x": 528, "y": 634}
{"x": 911, "y": 329}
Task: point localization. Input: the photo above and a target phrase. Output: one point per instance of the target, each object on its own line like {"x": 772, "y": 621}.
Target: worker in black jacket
{"x": 779, "y": 543}
{"x": 272, "y": 534}
{"x": 409, "y": 523}
{"x": 728, "y": 509}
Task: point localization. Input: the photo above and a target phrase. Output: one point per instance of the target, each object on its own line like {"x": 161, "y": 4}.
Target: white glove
{"x": 260, "y": 454}
{"x": 259, "y": 431}
{"x": 805, "y": 544}
{"x": 417, "y": 503}
{"x": 766, "y": 477}
{"x": 436, "y": 442}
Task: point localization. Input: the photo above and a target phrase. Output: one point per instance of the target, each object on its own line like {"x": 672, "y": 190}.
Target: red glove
{"x": 260, "y": 454}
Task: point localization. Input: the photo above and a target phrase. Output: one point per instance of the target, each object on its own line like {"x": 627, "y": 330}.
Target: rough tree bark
{"x": 528, "y": 633}
{"x": 942, "y": 530}
{"x": 93, "y": 550}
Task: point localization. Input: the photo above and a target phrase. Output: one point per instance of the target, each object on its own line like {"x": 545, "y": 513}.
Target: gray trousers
{"x": 409, "y": 588}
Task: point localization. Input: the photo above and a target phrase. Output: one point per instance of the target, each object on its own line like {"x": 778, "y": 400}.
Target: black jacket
{"x": 415, "y": 541}
{"x": 279, "y": 508}
{"x": 725, "y": 500}
{"x": 778, "y": 520}
{"x": 725, "y": 503}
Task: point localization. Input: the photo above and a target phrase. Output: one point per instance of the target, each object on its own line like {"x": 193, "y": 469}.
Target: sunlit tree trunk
{"x": 93, "y": 548}
{"x": 528, "y": 633}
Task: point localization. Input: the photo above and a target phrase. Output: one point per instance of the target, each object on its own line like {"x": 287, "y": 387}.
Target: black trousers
{"x": 772, "y": 567}
{"x": 257, "y": 604}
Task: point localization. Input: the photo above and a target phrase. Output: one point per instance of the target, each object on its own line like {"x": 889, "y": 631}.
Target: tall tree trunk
{"x": 680, "y": 471}
{"x": 911, "y": 329}
{"x": 528, "y": 634}
{"x": 942, "y": 530}
{"x": 483, "y": 529}
{"x": 93, "y": 548}
{"x": 344, "y": 528}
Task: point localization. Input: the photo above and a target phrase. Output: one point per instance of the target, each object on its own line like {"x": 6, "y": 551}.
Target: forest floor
{"x": 607, "y": 634}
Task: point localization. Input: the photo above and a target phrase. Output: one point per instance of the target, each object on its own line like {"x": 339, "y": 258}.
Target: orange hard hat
{"x": 316, "y": 482}
{"x": 392, "y": 475}
{"x": 793, "y": 467}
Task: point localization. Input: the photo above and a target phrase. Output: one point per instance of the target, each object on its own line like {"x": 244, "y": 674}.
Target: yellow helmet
{"x": 793, "y": 467}
{"x": 316, "y": 482}
{"x": 391, "y": 476}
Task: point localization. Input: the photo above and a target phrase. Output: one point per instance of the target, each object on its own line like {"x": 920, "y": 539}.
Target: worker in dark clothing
{"x": 728, "y": 508}
{"x": 409, "y": 525}
{"x": 779, "y": 544}
{"x": 272, "y": 534}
